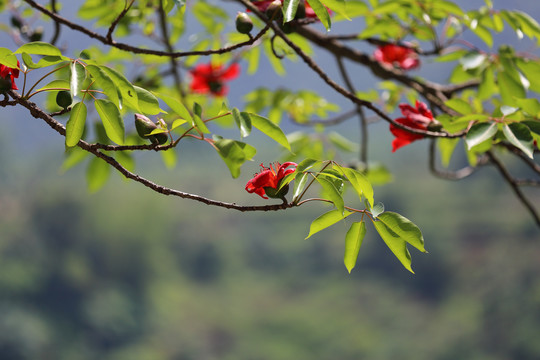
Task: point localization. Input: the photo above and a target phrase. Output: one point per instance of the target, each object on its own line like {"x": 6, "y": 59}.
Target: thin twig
{"x": 512, "y": 182}
{"x": 56, "y": 33}
{"x": 138, "y": 50}
{"x": 359, "y": 111}
{"x": 117, "y": 20}
{"x": 449, "y": 175}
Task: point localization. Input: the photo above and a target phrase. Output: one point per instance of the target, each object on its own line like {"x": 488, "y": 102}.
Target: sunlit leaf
{"x": 270, "y": 129}
{"x": 97, "y": 174}
{"x": 479, "y": 133}
{"x": 75, "y": 124}
{"x": 404, "y": 228}
{"x": 520, "y": 136}
{"x": 321, "y": 12}
{"x": 360, "y": 183}
{"x": 104, "y": 82}
{"x": 243, "y": 121}
{"x": 111, "y": 119}
{"x": 289, "y": 9}
{"x": 395, "y": 243}
{"x": 39, "y": 48}
{"x": 326, "y": 220}
{"x": 332, "y": 193}
{"x": 353, "y": 242}
{"x": 148, "y": 102}
{"x": 76, "y": 79}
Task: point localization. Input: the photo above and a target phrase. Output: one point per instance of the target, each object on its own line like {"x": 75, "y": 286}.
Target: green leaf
{"x": 487, "y": 86}
{"x": 510, "y": 88}
{"x": 342, "y": 142}
{"x": 197, "y": 120}
{"x": 326, "y": 220}
{"x": 342, "y": 8}
{"x": 478, "y": 133}
{"x": 43, "y": 62}
{"x": 75, "y": 124}
{"x": 77, "y": 77}
{"x": 306, "y": 164}
{"x": 111, "y": 119}
{"x": 353, "y": 242}
{"x": 387, "y": 7}
{"x": 289, "y": 9}
{"x": 176, "y": 106}
{"x": 332, "y": 193}
{"x": 169, "y": 158}
{"x": 321, "y": 12}
{"x": 148, "y": 102}
{"x": 360, "y": 183}
{"x": 104, "y": 82}
{"x": 448, "y": 6}
{"x": 459, "y": 105}
{"x": 530, "y": 106}
{"x": 127, "y": 92}
{"x": 39, "y": 48}
{"x": 446, "y": 147}
{"x": 56, "y": 84}
{"x": 270, "y": 129}
{"x": 300, "y": 181}
{"x": 396, "y": 244}
{"x": 377, "y": 209}
{"x": 97, "y": 174}
{"x": 74, "y": 156}
{"x": 404, "y": 228}
{"x": 520, "y": 136}
{"x": 472, "y": 60}
{"x": 234, "y": 154}
{"x": 7, "y": 58}
{"x": 243, "y": 121}
{"x": 483, "y": 33}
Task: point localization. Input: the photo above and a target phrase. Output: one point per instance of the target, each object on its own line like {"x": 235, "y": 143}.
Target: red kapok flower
{"x": 416, "y": 118}
{"x": 210, "y": 78}
{"x": 268, "y": 180}
{"x": 395, "y": 55}
{"x": 9, "y": 75}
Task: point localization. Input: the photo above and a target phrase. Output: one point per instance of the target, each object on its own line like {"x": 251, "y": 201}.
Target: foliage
{"x": 489, "y": 100}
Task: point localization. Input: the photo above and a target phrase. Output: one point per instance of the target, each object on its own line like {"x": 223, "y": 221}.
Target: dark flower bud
{"x": 16, "y": 22}
{"x": 273, "y": 11}
{"x": 244, "y": 25}
{"x": 64, "y": 99}
{"x": 145, "y": 126}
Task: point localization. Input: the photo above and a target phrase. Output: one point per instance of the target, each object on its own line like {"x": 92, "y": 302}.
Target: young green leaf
{"x": 326, "y": 220}
{"x": 446, "y": 147}
{"x": 111, "y": 119}
{"x": 7, "y": 58}
{"x": 404, "y": 228}
{"x": 478, "y": 133}
{"x": 39, "y": 48}
{"x": 197, "y": 119}
{"x": 43, "y": 62}
{"x": 243, "y": 122}
{"x": 289, "y": 9}
{"x": 270, "y": 129}
{"x": 332, "y": 193}
{"x": 353, "y": 242}
{"x": 395, "y": 243}
{"x": 520, "y": 136}
{"x": 176, "y": 106}
{"x": 104, "y": 82}
{"x": 460, "y": 106}
{"x": 75, "y": 124}
{"x": 56, "y": 84}
{"x": 306, "y": 164}
{"x": 510, "y": 88}
{"x": 360, "y": 183}
{"x": 321, "y": 12}
{"x": 148, "y": 102}
{"x": 77, "y": 77}
{"x": 127, "y": 92}
{"x": 300, "y": 181}
{"x": 234, "y": 154}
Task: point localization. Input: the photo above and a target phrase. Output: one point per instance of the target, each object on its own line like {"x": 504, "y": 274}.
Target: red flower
{"x": 210, "y": 78}
{"x": 416, "y": 118}
{"x": 268, "y": 179}
{"x": 9, "y": 75}
{"x": 263, "y": 4}
{"x": 395, "y": 55}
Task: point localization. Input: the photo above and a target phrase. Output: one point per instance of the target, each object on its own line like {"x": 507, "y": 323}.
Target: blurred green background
{"x": 127, "y": 274}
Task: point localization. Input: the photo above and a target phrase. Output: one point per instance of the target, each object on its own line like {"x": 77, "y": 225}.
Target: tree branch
{"x": 513, "y": 184}
{"x": 38, "y": 113}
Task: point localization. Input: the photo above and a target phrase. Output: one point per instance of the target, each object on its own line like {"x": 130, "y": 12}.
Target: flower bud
{"x": 64, "y": 99}
{"x": 145, "y": 126}
{"x": 273, "y": 11}
{"x": 244, "y": 25}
